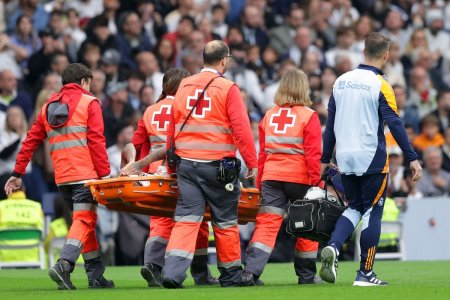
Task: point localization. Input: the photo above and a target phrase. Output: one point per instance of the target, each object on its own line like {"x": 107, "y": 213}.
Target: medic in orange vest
{"x": 289, "y": 164}
{"x": 72, "y": 121}
{"x": 151, "y": 136}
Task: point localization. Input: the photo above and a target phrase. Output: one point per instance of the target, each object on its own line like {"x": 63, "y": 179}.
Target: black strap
{"x": 329, "y": 182}
{"x": 195, "y": 105}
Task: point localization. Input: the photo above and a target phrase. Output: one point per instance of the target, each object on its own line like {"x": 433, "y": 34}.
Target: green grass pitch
{"x": 408, "y": 280}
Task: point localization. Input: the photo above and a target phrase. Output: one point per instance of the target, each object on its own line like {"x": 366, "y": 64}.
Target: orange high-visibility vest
{"x": 69, "y": 147}
{"x": 207, "y": 133}
{"x": 156, "y": 120}
{"x": 283, "y": 130}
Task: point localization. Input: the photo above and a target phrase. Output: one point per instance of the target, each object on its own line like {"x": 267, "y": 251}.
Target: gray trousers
{"x": 198, "y": 187}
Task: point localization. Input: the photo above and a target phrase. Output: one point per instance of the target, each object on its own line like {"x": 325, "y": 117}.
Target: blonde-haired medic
{"x": 289, "y": 164}
{"x": 361, "y": 102}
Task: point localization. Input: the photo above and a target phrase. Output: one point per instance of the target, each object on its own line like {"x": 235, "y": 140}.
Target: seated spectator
{"x": 271, "y": 89}
{"x": 73, "y": 28}
{"x": 394, "y": 29}
{"x": 327, "y": 79}
{"x": 205, "y": 27}
{"x": 109, "y": 65}
{"x": 394, "y": 67}
{"x": 438, "y": 39}
{"x": 446, "y": 150}
{"x": 86, "y": 8}
{"x": 435, "y": 181}
{"x": 443, "y": 110}
{"x": 270, "y": 66}
{"x": 52, "y": 82}
{"x": 173, "y": 18}
{"x": 429, "y": 136}
{"x": 11, "y": 96}
{"x": 363, "y": 27}
{"x": 19, "y": 212}
{"x": 91, "y": 56}
{"x": 410, "y": 186}
{"x": 136, "y": 81}
{"x": 220, "y": 27}
{"x": 152, "y": 21}
{"x": 396, "y": 170}
{"x": 191, "y": 62}
{"x": 98, "y": 87}
{"x": 421, "y": 92}
{"x": 344, "y": 14}
{"x": 148, "y": 65}
{"x": 180, "y": 37}
{"x": 282, "y": 37}
{"x": 147, "y": 97}
{"x": 31, "y": 8}
{"x": 110, "y": 14}
{"x": 131, "y": 39}
{"x": 195, "y": 47}
{"x": 8, "y": 54}
{"x": 39, "y": 62}
{"x": 117, "y": 112}
{"x": 303, "y": 45}
{"x": 165, "y": 54}
{"x": 235, "y": 37}
{"x": 99, "y": 35}
{"x": 345, "y": 47}
{"x": 408, "y": 113}
{"x": 26, "y": 38}
{"x": 11, "y": 138}
{"x": 252, "y": 23}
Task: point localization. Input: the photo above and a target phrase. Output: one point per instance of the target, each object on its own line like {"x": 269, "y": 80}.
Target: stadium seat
{"x": 31, "y": 238}
{"x": 386, "y": 227}
{"x": 48, "y": 206}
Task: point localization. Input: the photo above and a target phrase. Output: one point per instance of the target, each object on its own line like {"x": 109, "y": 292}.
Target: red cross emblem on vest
{"x": 202, "y": 107}
{"x": 161, "y": 118}
{"x": 282, "y": 120}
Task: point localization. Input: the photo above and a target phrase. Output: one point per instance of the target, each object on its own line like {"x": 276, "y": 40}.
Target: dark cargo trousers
{"x": 275, "y": 198}
{"x": 198, "y": 187}
{"x": 81, "y": 237}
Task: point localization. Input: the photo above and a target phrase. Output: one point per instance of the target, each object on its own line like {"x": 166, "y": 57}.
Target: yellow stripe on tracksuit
{"x": 388, "y": 93}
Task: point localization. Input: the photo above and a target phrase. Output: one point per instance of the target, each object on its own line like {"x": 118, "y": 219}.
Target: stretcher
{"x": 157, "y": 196}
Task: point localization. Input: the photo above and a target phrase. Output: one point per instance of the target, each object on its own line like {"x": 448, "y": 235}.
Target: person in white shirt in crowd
{"x": 185, "y": 7}
{"x": 393, "y": 29}
{"x": 394, "y": 67}
{"x": 438, "y": 38}
{"x": 148, "y": 65}
{"x": 345, "y": 47}
{"x": 303, "y": 45}
{"x": 435, "y": 181}
{"x": 363, "y": 26}
{"x": 271, "y": 90}
{"x": 218, "y": 20}
{"x": 344, "y": 14}
{"x": 86, "y": 8}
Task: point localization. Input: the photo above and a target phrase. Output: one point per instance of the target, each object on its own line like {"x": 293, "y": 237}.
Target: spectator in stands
{"x": 303, "y": 45}
{"x": 363, "y": 27}
{"x": 191, "y": 62}
{"x": 327, "y": 79}
{"x": 57, "y": 22}
{"x": 443, "y": 110}
{"x": 118, "y": 111}
{"x": 408, "y": 113}
{"x": 271, "y": 89}
{"x": 446, "y": 150}
{"x": 25, "y": 38}
{"x": 86, "y": 8}
{"x": 73, "y": 28}
{"x": 131, "y": 39}
{"x": 31, "y": 8}
{"x": 109, "y": 65}
{"x": 195, "y": 45}
{"x": 205, "y": 27}
{"x": 148, "y": 65}
{"x": 91, "y": 56}
{"x": 435, "y": 181}
{"x": 152, "y": 21}
{"x": 98, "y": 86}
{"x": 282, "y": 37}
{"x": 58, "y": 62}
{"x": 345, "y": 47}
{"x": 310, "y": 64}
{"x": 421, "y": 92}
{"x": 438, "y": 39}
{"x": 411, "y": 186}
{"x": 320, "y": 16}
{"x": 394, "y": 29}
{"x": 429, "y": 136}
{"x": 10, "y": 95}
{"x": 8, "y": 54}
{"x": 99, "y": 35}
{"x": 39, "y": 62}
{"x": 180, "y": 37}
{"x": 110, "y": 13}
{"x": 146, "y": 96}
{"x": 344, "y": 14}
{"x": 173, "y": 19}
{"x": 393, "y": 69}
{"x": 136, "y": 81}
{"x": 270, "y": 65}
{"x": 396, "y": 171}
{"x": 252, "y": 23}
{"x": 165, "y": 54}
{"x": 218, "y": 20}
{"x": 11, "y": 138}
{"x": 52, "y": 82}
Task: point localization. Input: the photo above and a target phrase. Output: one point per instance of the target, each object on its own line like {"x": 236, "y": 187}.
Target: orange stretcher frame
{"x": 159, "y": 198}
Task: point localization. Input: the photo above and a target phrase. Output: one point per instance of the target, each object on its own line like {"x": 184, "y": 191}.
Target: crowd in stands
{"x": 130, "y": 44}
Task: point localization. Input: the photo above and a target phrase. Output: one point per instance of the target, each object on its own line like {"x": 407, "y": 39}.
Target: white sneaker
{"x": 329, "y": 264}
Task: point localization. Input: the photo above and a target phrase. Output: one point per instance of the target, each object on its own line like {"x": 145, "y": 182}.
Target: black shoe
{"x": 210, "y": 280}
{"x": 171, "y": 284}
{"x": 101, "y": 283}
{"x": 60, "y": 273}
{"x": 152, "y": 274}
{"x": 257, "y": 281}
{"x": 316, "y": 280}
{"x": 248, "y": 279}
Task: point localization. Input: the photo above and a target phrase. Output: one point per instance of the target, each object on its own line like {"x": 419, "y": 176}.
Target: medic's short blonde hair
{"x": 293, "y": 89}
